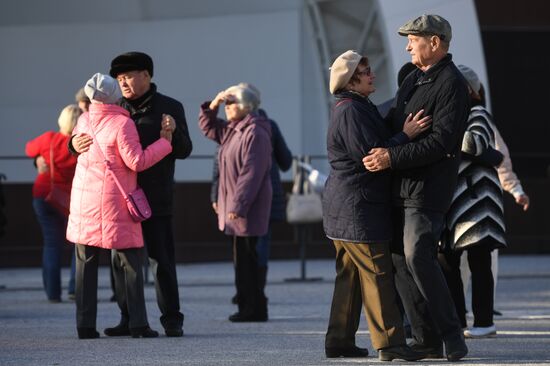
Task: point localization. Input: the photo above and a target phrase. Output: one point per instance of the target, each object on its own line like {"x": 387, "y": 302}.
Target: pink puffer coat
{"x": 98, "y": 214}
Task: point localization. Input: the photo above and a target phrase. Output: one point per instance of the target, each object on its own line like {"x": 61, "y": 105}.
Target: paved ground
{"x": 35, "y": 332}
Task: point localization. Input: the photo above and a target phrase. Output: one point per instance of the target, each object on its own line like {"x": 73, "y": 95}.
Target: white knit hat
{"x": 103, "y": 88}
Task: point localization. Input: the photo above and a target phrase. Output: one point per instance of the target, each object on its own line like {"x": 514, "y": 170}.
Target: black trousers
{"x": 251, "y": 299}
{"x": 479, "y": 261}
{"x": 127, "y": 268}
{"x": 418, "y": 276}
{"x": 87, "y": 261}
{"x": 159, "y": 241}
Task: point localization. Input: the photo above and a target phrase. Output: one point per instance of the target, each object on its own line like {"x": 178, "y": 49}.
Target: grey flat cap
{"x": 429, "y": 25}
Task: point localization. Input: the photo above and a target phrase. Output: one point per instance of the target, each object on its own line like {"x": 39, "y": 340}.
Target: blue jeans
{"x": 263, "y": 248}
{"x": 53, "y": 226}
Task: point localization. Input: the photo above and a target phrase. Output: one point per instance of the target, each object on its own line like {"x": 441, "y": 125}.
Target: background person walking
{"x": 57, "y": 168}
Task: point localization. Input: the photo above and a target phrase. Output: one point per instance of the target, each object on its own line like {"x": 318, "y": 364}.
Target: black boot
{"x": 402, "y": 352}
{"x": 244, "y": 317}
{"x": 431, "y": 351}
{"x": 335, "y": 352}
{"x": 87, "y": 333}
{"x": 261, "y": 302}
{"x": 250, "y": 310}
{"x": 262, "y": 279}
{"x": 143, "y": 332}
{"x": 455, "y": 347}
{"x": 119, "y": 330}
{"x": 261, "y": 309}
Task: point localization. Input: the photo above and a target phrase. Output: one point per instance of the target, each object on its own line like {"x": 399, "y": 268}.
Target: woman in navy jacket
{"x": 356, "y": 216}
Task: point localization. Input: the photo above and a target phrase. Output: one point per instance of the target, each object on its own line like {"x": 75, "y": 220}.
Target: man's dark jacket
{"x": 158, "y": 181}
{"x": 425, "y": 169}
{"x": 356, "y": 202}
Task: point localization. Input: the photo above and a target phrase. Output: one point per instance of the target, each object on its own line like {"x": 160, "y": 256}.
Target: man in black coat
{"x": 147, "y": 108}
{"x": 425, "y": 175}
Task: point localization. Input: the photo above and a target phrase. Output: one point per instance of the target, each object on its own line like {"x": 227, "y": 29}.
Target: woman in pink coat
{"x": 99, "y": 217}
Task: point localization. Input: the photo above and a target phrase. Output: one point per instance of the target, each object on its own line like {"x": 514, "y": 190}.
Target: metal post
{"x": 302, "y": 231}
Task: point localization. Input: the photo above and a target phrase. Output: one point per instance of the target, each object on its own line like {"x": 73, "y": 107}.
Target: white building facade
{"x": 284, "y": 47}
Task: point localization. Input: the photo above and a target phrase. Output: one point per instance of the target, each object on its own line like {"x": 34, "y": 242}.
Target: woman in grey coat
{"x": 244, "y": 191}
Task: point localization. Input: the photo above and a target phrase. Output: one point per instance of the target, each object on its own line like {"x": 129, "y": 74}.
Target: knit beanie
{"x": 103, "y": 88}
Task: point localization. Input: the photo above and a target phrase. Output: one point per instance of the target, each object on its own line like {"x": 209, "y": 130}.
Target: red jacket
{"x": 64, "y": 162}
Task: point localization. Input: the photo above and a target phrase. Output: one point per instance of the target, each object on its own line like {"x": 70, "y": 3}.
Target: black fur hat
{"x": 131, "y": 61}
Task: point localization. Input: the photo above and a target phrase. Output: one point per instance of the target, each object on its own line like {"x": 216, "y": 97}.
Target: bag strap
{"x": 52, "y": 163}
{"x": 301, "y": 184}
{"x": 297, "y": 176}
{"x": 342, "y": 101}
{"x": 107, "y": 162}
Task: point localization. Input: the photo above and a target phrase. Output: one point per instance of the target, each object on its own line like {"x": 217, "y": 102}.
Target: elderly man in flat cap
{"x": 425, "y": 175}
{"x": 148, "y": 108}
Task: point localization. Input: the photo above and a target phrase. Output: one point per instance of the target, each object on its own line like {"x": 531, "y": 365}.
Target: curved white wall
{"x": 198, "y": 49}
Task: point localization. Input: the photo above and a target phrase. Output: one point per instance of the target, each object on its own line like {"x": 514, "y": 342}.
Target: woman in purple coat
{"x": 244, "y": 192}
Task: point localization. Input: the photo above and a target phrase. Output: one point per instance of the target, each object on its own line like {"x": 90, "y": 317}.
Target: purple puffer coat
{"x": 245, "y": 165}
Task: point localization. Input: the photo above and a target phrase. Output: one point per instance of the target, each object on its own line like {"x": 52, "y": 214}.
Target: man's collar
{"x": 429, "y": 75}
{"x": 141, "y": 103}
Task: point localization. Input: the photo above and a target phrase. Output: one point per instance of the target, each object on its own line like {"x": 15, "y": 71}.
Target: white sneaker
{"x": 480, "y": 332}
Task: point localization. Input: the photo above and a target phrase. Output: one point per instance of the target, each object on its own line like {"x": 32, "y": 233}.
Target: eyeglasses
{"x": 366, "y": 71}
{"x": 230, "y": 101}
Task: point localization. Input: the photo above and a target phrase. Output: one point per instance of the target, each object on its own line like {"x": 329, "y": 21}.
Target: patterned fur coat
{"x": 476, "y": 211}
